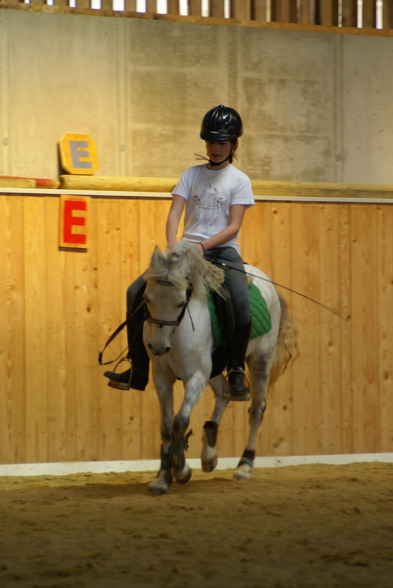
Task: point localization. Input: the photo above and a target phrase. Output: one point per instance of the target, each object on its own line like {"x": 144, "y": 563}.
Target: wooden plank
{"x": 106, "y": 5}
{"x": 194, "y": 7}
{"x": 132, "y": 432}
{"x": 349, "y": 12}
{"x": 326, "y": 13}
{"x": 217, "y": 8}
{"x": 152, "y": 221}
{"x": 82, "y": 4}
{"x": 240, "y": 9}
{"x": 259, "y": 10}
{"x": 275, "y": 437}
{"x": 110, "y": 316}
{"x": 305, "y": 280}
{"x": 344, "y": 240}
{"x": 91, "y": 429}
{"x": 387, "y": 15}
{"x": 131, "y": 5}
{"x": 12, "y": 332}
{"x": 385, "y": 335}
{"x": 57, "y": 326}
{"x": 173, "y": 7}
{"x": 364, "y": 324}
{"x": 369, "y": 13}
{"x": 37, "y": 351}
{"x": 151, "y": 6}
{"x": 306, "y": 12}
{"x": 288, "y": 11}
{"x": 330, "y": 276}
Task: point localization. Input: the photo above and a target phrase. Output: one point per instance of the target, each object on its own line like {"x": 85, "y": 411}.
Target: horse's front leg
{"x": 209, "y": 438}
{"x": 194, "y": 388}
{"x": 164, "y": 388}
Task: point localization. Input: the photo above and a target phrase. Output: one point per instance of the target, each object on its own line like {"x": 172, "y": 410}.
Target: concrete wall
{"x": 316, "y": 106}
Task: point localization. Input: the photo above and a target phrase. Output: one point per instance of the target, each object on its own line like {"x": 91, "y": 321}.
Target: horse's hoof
{"x": 209, "y": 466}
{"x": 184, "y": 476}
{"x": 161, "y": 484}
{"x": 243, "y": 473}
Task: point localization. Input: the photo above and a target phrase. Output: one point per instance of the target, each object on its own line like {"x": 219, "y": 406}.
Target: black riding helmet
{"x": 222, "y": 123}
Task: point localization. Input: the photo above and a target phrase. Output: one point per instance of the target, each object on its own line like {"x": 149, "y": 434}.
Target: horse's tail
{"x": 286, "y": 349}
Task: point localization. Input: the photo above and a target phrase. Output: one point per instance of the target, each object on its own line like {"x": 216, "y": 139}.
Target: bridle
{"x": 184, "y": 307}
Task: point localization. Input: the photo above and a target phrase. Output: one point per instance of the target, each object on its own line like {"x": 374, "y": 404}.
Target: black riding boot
{"x": 138, "y": 375}
{"x": 236, "y": 368}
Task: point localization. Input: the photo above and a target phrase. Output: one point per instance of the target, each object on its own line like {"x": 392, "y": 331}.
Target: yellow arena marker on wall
{"x": 78, "y": 154}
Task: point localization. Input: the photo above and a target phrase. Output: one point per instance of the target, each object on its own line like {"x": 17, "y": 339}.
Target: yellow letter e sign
{"x": 78, "y": 154}
{"x": 74, "y": 221}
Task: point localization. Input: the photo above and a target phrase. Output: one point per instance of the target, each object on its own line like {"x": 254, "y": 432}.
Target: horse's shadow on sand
{"x": 135, "y": 488}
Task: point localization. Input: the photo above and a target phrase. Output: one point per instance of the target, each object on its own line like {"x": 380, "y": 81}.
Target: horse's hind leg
{"x": 260, "y": 374}
{"x": 209, "y": 438}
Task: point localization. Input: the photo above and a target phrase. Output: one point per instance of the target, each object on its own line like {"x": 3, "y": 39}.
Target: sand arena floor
{"x": 305, "y": 526}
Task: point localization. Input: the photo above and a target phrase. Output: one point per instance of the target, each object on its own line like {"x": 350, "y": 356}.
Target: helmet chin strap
{"x": 232, "y": 151}
{"x": 215, "y": 164}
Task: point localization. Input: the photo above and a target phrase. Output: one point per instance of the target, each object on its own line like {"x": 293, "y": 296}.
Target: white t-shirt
{"x": 210, "y": 195}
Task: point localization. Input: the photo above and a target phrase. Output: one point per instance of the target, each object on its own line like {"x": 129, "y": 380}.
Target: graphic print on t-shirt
{"x": 208, "y": 195}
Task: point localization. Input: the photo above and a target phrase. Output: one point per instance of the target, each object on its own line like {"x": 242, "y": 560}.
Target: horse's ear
{"x": 156, "y": 257}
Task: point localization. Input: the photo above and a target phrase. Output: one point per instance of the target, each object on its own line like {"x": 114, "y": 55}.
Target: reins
{"x": 324, "y": 306}
{"x": 150, "y": 319}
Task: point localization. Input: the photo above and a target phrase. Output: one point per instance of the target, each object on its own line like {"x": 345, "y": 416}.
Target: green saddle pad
{"x": 261, "y": 319}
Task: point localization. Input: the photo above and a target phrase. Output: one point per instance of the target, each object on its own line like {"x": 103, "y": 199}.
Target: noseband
{"x": 184, "y": 307}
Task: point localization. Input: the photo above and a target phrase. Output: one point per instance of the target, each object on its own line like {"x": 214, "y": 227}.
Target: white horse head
{"x": 172, "y": 278}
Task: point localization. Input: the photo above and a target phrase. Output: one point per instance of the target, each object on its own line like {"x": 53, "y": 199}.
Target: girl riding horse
{"x": 215, "y": 197}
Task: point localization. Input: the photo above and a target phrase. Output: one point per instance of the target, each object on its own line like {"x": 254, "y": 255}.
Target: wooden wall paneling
{"x": 275, "y": 437}
{"x": 329, "y": 332}
{"x": 288, "y": 11}
{"x": 305, "y": 280}
{"x": 385, "y": 335}
{"x": 131, "y": 5}
{"x": 152, "y": 215}
{"x": 106, "y": 5}
{"x": 57, "y": 327}
{"x": 83, "y": 4}
{"x": 344, "y": 308}
{"x": 369, "y": 13}
{"x": 130, "y": 270}
{"x": 364, "y": 326}
{"x": 387, "y": 14}
{"x": 349, "y": 12}
{"x": 217, "y": 8}
{"x": 85, "y": 341}
{"x": 240, "y": 9}
{"x": 327, "y": 13}
{"x": 306, "y": 12}
{"x": 259, "y": 10}
{"x": 151, "y": 6}
{"x": 194, "y": 7}
{"x": 110, "y": 316}
{"x": 36, "y": 275}
{"x": 12, "y": 332}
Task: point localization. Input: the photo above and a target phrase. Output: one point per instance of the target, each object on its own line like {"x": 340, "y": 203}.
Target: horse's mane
{"x": 182, "y": 265}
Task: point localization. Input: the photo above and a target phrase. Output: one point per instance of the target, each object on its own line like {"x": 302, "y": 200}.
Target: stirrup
{"x": 233, "y": 396}
{"x": 115, "y": 383}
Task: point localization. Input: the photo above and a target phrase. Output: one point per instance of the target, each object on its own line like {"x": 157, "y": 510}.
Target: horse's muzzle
{"x": 158, "y": 349}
